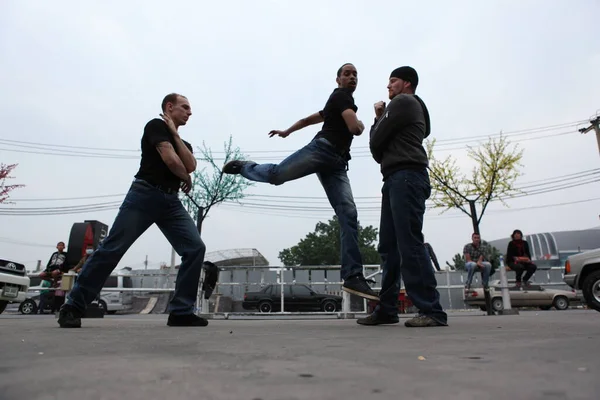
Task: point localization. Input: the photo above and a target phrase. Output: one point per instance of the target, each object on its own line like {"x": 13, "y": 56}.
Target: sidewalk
{"x": 535, "y": 355}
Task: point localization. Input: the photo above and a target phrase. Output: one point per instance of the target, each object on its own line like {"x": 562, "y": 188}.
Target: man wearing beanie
{"x": 396, "y": 143}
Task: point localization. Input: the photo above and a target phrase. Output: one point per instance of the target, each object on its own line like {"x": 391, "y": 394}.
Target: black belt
{"x": 162, "y": 188}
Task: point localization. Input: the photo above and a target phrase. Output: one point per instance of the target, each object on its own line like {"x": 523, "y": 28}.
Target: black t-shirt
{"x": 152, "y": 168}
{"x": 334, "y": 127}
{"x": 57, "y": 261}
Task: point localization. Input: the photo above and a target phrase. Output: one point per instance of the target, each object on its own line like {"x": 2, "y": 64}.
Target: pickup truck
{"x": 295, "y": 297}
{"x": 582, "y": 272}
{"x": 14, "y": 283}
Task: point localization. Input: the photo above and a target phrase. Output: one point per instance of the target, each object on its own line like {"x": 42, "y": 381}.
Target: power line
{"x": 51, "y": 149}
{"x": 439, "y": 216}
{"x": 449, "y": 141}
{"x": 23, "y": 243}
{"x": 72, "y": 198}
{"x": 541, "y": 185}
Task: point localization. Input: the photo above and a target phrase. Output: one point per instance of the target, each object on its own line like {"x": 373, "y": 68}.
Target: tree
{"x": 494, "y": 256}
{"x": 492, "y": 178}
{"x": 322, "y": 247}
{"x": 5, "y": 171}
{"x": 210, "y": 188}
{"x": 458, "y": 262}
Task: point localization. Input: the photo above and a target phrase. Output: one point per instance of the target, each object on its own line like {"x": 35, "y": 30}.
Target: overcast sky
{"x": 92, "y": 73}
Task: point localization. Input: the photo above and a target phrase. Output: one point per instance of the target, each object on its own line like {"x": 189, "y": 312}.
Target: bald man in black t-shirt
{"x": 327, "y": 155}
{"x": 166, "y": 164}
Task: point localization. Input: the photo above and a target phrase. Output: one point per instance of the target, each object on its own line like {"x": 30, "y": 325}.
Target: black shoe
{"x": 234, "y": 167}
{"x": 378, "y": 319}
{"x": 423, "y": 321}
{"x": 186, "y": 320}
{"x": 358, "y": 285}
{"x": 69, "y": 317}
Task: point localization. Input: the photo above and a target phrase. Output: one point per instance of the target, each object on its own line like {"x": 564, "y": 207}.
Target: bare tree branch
{"x": 5, "y": 171}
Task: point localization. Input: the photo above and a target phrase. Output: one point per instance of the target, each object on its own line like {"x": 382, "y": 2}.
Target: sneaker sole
{"x": 378, "y": 323}
{"x": 366, "y": 296}
{"x": 69, "y": 325}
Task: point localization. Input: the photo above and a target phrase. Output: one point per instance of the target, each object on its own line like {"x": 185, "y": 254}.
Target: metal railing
{"x": 202, "y": 305}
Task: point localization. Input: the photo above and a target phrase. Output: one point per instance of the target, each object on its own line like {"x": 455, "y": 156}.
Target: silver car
{"x": 526, "y": 296}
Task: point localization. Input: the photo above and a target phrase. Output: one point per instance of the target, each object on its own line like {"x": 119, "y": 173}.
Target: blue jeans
{"x": 402, "y": 248}
{"x": 485, "y": 272}
{"x": 143, "y": 206}
{"x": 321, "y": 158}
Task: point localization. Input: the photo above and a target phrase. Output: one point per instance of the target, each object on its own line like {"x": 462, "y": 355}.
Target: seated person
{"x": 46, "y": 296}
{"x": 518, "y": 258}
{"x": 477, "y": 258}
{"x": 58, "y": 260}
{"x": 88, "y": 251}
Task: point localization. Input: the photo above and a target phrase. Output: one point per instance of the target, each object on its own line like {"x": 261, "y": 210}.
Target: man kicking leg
{"x": 166, "y": 163}
{"x": 327, "y": 155}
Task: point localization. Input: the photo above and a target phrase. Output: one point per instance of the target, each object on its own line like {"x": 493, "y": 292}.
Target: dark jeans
{"x": 402, "y": 248}
{"x": 320, "y": 157}
{"x": 522, "y": 267}
{"x": 143, "y": 206}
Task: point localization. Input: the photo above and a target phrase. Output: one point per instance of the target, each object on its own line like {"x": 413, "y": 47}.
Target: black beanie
{"x": 407, "y": 74}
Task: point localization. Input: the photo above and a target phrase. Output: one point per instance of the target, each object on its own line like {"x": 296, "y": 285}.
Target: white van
{"x": 117, "y": 301}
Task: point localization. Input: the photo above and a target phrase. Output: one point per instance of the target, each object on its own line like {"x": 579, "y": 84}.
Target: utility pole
{"x": 595, "y": 125}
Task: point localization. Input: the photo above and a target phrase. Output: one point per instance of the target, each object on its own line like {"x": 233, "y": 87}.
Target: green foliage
{"x": 211, "y": 187}
{"x": 494, "y": 256}
{"x": 459, "y": 262}
{"x": 322, "y": 247}
{"x": 497, "y": 167}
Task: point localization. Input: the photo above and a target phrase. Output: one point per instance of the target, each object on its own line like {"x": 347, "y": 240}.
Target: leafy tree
{"x": 493, "y": 177}
{"x": 322, "y": 247}
{"x": 209, "y": 188}
{"x": 5, "y": 171}
{"x": 494, "y": 256}
{"x": 458, "y": 262}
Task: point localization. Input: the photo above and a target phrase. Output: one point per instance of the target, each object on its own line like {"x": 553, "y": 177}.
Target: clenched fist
{"x": 379, "y": 108}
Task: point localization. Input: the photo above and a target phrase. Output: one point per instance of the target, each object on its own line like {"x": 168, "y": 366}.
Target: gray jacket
{"x": 397, "y": 137}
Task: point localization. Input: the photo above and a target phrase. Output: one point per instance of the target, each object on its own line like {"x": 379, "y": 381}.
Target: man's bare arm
{"x": 312, "y": 119}
{"x": 172, "y": 160}
{"x": 186, "y": 156}
{"x": 355, "y": 126}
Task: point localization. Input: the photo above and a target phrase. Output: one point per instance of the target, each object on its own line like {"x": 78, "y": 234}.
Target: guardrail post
{"x": 506, "y": 306}
{"x": 281, "y": 292}
{"x": 346, "y": 305}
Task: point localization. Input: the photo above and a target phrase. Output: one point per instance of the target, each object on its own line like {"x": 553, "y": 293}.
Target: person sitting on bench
{"x": 477, "y": 258}
{"x": 518, "y": 258}
{"x": 57, "y": 262}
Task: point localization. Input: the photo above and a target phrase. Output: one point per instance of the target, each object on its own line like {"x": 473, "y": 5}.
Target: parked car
{"x": 582, "y": 272}
{"x": 296, "y": 298}
{"x": 110, "y": 302}
{"x": 525, "y": 296}
{"x": 14, "y": 283}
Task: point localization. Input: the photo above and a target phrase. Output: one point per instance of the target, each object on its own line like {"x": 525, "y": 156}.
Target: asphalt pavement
{"x": 534, "y": 355}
